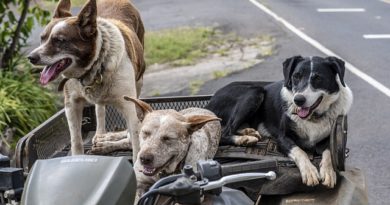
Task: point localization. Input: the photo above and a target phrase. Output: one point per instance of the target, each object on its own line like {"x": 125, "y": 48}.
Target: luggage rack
{"x": 51, "y": 139}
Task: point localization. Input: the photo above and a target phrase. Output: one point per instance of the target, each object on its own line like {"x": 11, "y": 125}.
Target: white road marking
{"x": 376, "y": 36}
{"x": 325, "y": 50}
{"x": 333, "y": 10}
{"x": 386, "y": 1}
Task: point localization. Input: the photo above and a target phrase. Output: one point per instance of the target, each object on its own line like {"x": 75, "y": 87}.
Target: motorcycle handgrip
{"x": 254, "y": 166}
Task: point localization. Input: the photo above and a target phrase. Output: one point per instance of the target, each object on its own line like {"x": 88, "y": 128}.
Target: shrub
{"x": 24, "y": 104}
{"x": 17, "y": 19}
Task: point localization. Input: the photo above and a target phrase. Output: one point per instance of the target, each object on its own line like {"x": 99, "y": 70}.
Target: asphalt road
{"x": 340, "y": 32}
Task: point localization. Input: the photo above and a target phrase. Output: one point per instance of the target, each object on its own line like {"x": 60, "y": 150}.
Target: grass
{"x": 220, "y": 73}
{"x": 180, "y": 46}
{"x": 155, "y": 93}
{"x": 195, "y": 86}
{"x": 266, "y": 46}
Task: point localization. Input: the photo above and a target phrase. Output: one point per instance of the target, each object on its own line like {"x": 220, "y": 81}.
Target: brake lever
{"x": 271, "y": 175}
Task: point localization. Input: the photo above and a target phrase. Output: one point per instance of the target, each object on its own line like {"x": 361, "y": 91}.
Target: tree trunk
{"x": 10, "y": 51}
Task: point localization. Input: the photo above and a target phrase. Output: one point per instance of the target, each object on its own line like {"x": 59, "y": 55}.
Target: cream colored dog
{"x": 171, "y": 139}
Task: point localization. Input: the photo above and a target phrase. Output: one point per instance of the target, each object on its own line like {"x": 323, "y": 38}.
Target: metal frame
{"x": 51, "y": 138}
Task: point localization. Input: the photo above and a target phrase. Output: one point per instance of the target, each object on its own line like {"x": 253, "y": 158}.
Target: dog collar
{"x": 317, "y": 116}
{"x": 98, "y": 79}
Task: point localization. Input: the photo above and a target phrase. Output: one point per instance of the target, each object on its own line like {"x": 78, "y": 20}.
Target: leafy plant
{"x": 24, "y": 104}
{"x": 17, "y": 19}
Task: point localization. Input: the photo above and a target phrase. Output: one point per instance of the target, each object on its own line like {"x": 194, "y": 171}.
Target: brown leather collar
{"x": 97, "y": 80}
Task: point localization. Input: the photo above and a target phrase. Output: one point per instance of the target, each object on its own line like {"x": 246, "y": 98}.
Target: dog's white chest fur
{"x": 312, "y": 132}
{"x": 119, "y": 73}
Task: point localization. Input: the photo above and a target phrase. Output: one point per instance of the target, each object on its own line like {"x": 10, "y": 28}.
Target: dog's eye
{"x": 146, "y": 132}
{"x": 316, "y": 78}
{"x": 165, "y": 138}
{"x": 296, "y": 77}
{"x": 58, "y": 39}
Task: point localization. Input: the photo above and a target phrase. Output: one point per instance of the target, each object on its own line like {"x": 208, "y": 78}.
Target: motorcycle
{"x": 111, "y": 181}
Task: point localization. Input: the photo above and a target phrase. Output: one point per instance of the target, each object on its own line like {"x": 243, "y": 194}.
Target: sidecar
{"x": 51, "y": 139}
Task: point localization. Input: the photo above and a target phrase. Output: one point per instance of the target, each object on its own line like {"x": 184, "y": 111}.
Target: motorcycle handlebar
{"x": 255, "y": 166}
{"x": 271, "y": 175}
{"x": 216, "y": 177}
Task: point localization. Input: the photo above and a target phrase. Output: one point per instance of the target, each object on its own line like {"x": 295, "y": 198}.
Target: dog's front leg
{"x": 309, "y": 172}
{"x": 74, "y": 114}
{"x": 100, "y": 111}
{"x": 327, "y": 173}
{"x": 133, "y": 125}
{"x": 110, "y": 142}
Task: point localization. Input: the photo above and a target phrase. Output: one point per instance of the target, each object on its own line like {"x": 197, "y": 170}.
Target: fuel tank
{"x": 83, "y": 179}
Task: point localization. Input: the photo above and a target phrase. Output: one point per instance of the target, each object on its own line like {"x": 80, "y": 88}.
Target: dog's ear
{"x": 145, "y": 107}
{"x": 288, "y": 68}
{"x": 195, "y": 122}
{"x": 87, "y": 19}
{"x": 338, "y": 66}
{"x": 63, "y": 9}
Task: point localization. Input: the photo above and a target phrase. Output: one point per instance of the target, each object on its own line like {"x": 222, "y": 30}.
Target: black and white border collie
{"x": 298, "y": 111}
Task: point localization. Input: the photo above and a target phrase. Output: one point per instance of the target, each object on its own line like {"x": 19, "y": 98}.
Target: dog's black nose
{"x": 33, "y": 58}
{"x": 146, "y": 159}
{"x": 299, "y": 100}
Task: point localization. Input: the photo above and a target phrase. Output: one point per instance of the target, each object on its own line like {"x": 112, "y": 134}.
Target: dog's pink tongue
{"x": 47, "y": 74}
{"x": 303, "y": 112}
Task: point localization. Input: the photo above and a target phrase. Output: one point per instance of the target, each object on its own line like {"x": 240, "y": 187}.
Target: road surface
{"x": 341, "y": 32}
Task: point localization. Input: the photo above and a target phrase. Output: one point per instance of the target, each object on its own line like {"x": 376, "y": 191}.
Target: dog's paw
{"x": 328, "y": 176}
{"x": 96, "y": 151}
{"x": 106, "y": 147}
{"x": 245, "y": 140}
{"x": 110, "y": 136}
{"x": 100, "y": 148}
{"x": 98, "y": 138}
{"x": 309, "y": 174}
{"x": 250, "y": 132}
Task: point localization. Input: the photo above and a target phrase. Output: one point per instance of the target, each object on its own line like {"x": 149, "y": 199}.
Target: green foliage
{"x": 24, "y": 104}
{"x": 181, "y": 45}
{"x": 195, "y": 86}
{"x": 17, "y": 19}
{"x": 220, "y": 73}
